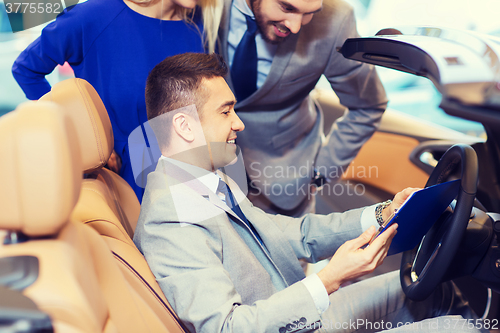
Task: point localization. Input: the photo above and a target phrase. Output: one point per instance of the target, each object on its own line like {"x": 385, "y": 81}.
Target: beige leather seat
{"x": 78, "y": 282}
{"x": 107, "y": 203}
{"x": 85, "y": 108}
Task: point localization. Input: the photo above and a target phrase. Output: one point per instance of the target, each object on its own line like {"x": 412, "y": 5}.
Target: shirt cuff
{"x": 368, "y": 218}
{"x": 318, "y": 292}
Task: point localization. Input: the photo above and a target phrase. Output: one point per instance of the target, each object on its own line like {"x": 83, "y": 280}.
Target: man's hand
{"x": 351, "y": 261}
{"x": 115, "y": 162}
{"x": 398, "y": 200}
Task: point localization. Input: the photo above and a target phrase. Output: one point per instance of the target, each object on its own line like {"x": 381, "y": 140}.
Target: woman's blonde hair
{"x": 212, "y": 13}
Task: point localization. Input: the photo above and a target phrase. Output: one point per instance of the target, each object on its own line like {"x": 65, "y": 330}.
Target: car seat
{"x": 64, "y": 266}
{"x": 107, "y": 203}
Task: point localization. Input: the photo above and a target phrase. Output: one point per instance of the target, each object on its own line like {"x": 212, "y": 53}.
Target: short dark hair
{"x": 173, "y": 83}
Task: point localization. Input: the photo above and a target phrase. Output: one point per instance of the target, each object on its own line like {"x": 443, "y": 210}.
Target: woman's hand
{"x": 115, "y": 162}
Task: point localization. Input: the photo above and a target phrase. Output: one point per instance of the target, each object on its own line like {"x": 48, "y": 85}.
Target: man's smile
{"x": 281, "y": 30}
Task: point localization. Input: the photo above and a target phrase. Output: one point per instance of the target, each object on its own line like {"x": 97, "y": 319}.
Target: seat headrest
{"x": 84, "y": 106}
{"x": 40, "y": 169}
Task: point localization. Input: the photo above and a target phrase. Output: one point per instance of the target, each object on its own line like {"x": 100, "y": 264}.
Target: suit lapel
{"x": 214, "y": 199}
{"x": 280, "y": 251}
{"x": 280, "y": 62}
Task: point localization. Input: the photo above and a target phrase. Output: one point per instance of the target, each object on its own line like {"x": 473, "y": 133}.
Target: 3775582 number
{"x": 471, "y": 323}
{"x": 27, "y": 7}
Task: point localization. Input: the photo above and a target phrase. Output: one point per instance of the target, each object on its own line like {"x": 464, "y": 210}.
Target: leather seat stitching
{"x": 173, "y": 314}
{"x": 91, "y": 189}
{"x": 107, "y": 221}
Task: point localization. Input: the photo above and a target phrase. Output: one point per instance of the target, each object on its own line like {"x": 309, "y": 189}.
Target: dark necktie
{"x": 231, "y": 203}
{"x": 244, "y": 67}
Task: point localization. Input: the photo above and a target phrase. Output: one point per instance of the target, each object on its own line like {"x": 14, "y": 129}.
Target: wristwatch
{"x": 379, "y": 209}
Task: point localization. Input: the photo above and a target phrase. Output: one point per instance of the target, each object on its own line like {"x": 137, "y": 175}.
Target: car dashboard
{"x": 464, "y": 66}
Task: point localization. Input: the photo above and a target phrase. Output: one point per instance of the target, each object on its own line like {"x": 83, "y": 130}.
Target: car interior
{"x": 101, "y": 284}
{"x": 463, "y": 66}
{"x": 68, "y": 263}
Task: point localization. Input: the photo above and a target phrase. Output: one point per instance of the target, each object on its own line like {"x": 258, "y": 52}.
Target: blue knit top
{"x": 112, "y": 47}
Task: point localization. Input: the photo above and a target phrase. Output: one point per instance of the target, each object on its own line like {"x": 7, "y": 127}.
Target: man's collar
{"x": 207, "y": 178}
{"x": 243, "y": 7}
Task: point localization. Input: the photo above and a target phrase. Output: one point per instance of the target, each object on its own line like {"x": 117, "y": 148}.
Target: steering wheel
{"x": 424, "y": 267}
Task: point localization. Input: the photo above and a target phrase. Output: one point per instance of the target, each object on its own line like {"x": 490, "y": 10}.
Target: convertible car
{"x": 68, "y": 264}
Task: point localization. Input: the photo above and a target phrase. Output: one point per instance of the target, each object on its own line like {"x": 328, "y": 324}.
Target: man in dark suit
{"x": 225, "y": 265}
{"x": 277, "y": 50}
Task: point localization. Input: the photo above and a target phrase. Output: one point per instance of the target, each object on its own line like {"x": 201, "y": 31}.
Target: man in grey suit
{"x": 295, "y": 42}
{"x": 227, "y": 266}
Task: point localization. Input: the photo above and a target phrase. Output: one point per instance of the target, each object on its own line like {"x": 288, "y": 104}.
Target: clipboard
{"x": 418, "y": 214}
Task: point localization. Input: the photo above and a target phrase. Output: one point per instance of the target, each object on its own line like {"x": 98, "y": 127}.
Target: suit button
{"x": 282, "y": 329}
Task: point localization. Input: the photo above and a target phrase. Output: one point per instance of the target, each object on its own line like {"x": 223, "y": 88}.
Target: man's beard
{"x": 266, "y": 28}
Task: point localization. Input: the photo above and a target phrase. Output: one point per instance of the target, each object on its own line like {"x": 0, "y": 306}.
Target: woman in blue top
{"x": 113, "y": 44}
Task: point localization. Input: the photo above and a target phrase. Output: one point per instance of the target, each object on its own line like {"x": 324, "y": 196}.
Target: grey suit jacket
{"x": 283, "y": 139}
{"x": 215, "y": 273}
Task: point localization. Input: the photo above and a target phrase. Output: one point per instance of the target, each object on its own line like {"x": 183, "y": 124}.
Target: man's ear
{"x": 182, "y": 124}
